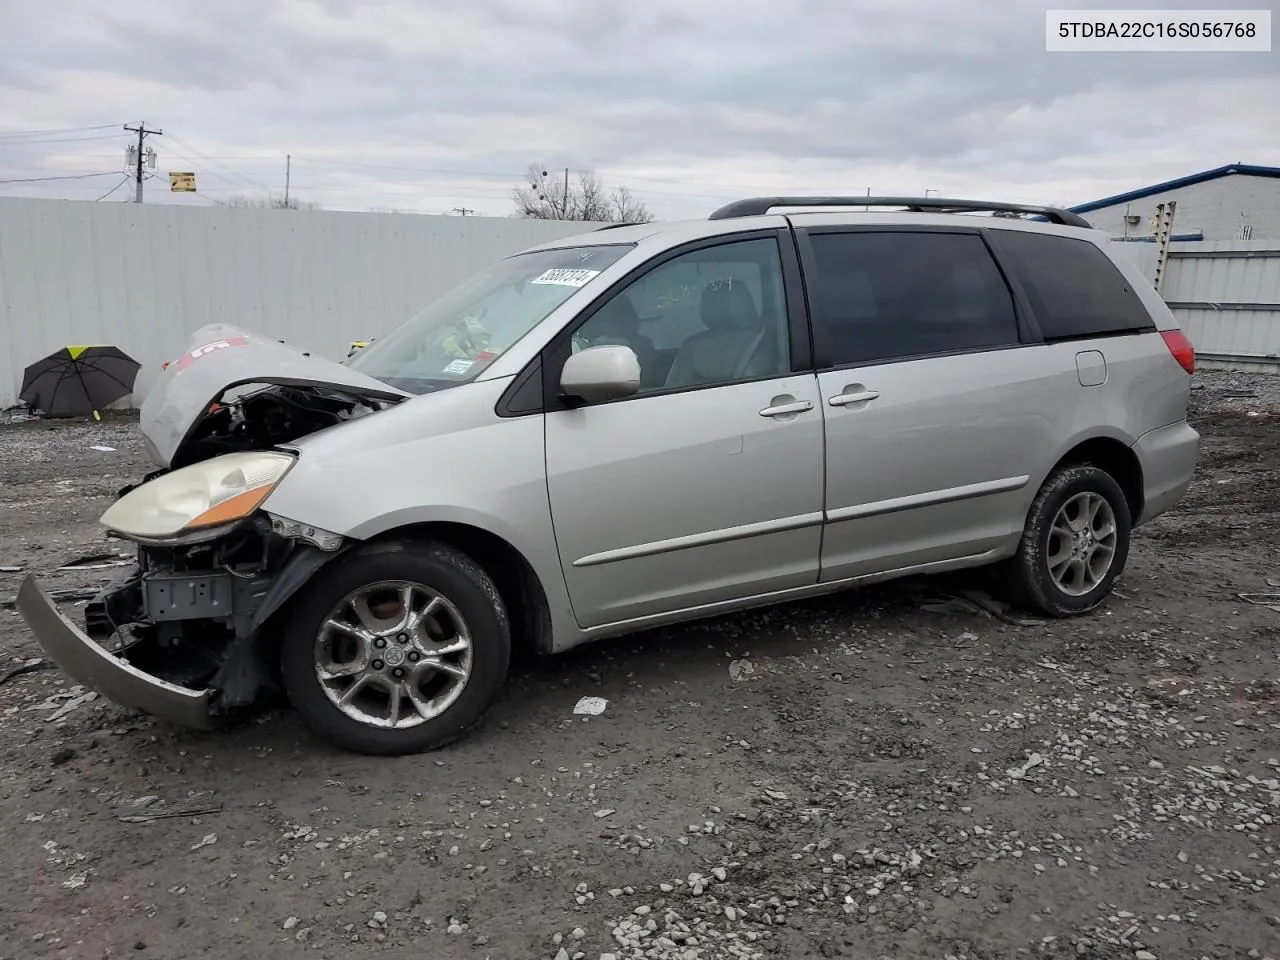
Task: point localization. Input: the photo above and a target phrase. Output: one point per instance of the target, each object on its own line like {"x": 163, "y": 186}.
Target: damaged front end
{"x": 188, "y": 635}
{"x": 182, "y": 635}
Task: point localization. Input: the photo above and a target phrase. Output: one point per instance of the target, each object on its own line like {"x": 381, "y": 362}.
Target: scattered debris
{"x": 75, "y": 703}
{"x": 1019, "y": 773}
{"x": 208, "y": 840}
{"x": 591, "y": 706}
{"x": 741, "y": 669}
{"x": 97, "y": 561}
{"x": 31, "y": 666}
{"x": 153, "y": 808}
{"x": 1261, "y": 599}
{"x": 9, "y": 569}
{"x": 102, "y": 449}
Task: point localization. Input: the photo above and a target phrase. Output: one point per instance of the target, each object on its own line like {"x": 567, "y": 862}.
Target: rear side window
{"x": 890, "y": 296}
{"x": 1074, "y": 289}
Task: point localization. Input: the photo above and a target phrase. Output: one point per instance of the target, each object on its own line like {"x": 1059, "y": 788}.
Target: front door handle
{"x": 843, "y": 399}
{"x": 787, "y": 409}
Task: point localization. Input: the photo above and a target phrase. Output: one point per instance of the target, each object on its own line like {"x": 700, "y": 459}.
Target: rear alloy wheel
{"x": 409, "y": 656}
{"x": 1075, "y": 543}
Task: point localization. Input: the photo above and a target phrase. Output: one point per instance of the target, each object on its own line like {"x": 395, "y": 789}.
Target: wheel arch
{"x": 1117, "y": 458}
{"x": 515, "y": 577}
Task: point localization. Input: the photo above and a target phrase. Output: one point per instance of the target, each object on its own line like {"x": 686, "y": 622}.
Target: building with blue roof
{"x": 1240, "y": 201}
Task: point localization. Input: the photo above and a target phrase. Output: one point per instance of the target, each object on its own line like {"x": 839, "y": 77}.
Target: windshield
{"x": 456, "y": 337}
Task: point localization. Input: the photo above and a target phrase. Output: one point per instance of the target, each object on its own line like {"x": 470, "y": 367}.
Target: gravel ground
{"x": 897, "y": 771}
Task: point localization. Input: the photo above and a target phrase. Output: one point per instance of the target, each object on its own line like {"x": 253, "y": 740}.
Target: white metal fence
{"x": 143, "y": 277}
{"x": 1226, "y": 295}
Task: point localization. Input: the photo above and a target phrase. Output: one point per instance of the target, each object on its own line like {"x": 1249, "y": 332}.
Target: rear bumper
{"x": 90, "y": 664}
{"x": 1168, "y": 456}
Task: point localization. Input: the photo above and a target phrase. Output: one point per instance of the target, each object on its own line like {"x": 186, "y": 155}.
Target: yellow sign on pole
{"x": 182, "y": 182}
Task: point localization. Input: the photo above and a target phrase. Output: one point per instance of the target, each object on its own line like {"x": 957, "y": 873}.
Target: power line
{"x": 27, "y": 143}
{"x": 70, "y": 176}
{"x": 6, "y": 134}
{"x": 123, "y": 181}
{"x": 183, "y": 143}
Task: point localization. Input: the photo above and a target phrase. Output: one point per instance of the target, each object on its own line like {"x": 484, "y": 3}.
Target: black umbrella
{"x": 78, "y": 381}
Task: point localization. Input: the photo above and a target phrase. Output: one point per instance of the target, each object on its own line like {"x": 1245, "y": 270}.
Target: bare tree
{"x": 273, "y": 201}
{"x": 546, "y": 198}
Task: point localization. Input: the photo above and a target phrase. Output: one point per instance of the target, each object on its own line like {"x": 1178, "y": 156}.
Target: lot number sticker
{"x": 566, "y": 278}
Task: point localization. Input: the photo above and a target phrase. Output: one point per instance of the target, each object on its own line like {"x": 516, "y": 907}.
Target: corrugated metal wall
{"x": 143, "y": 277}
{"x": 1226, "y": 296}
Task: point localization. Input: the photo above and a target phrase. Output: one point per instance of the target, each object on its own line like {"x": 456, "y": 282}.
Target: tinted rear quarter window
{"x": 882, "y": 296}
{"x": 1075, "y": 290}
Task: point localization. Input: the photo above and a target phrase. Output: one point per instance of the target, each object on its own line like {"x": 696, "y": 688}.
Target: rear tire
{"x": 1074, "y": 545}
{"x": 418, "y": 629}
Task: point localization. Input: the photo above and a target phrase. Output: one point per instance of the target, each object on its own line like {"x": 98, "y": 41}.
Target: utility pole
{"x": 142, "y": 132}
{"x": 463, "y": 211}
{"x": 288, "y": 163}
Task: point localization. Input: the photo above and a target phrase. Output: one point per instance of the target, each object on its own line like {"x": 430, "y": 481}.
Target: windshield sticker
{"x": 566, "y": 278}
{"x": 459, "y": 366}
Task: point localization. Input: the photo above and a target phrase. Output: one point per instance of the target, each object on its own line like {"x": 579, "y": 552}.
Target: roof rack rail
{"x": 614, "y": 226}
{"x": 755, "y": 206}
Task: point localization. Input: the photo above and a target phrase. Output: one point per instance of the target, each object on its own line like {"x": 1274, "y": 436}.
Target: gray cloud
{"x": 427, "y": 104}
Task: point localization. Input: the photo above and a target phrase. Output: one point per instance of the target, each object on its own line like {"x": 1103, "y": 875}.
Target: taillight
{"x": 1182, "y": 349}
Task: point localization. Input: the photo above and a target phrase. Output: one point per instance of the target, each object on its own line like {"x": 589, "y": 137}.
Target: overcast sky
{"x": 430, "y": 105}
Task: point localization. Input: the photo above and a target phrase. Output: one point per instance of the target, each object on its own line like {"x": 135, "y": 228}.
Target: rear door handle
{"x": 843, "y": 399}
{"x": 787, "y": 409}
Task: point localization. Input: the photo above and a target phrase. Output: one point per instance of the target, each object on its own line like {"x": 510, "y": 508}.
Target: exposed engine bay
{"x": 265, "y": 419}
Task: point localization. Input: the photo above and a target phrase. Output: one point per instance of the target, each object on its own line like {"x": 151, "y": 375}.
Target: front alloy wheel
{"x": 409, "y": 657}
{"x": 393, "y": 654}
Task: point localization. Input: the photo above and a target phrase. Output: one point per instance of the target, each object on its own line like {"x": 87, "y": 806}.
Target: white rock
{"x": 719, "y": 873}
{"x": 380, "y": 917}
{"x": 291, "y": 923}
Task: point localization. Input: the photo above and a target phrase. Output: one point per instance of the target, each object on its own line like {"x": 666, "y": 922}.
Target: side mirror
{"x": 597, "y": 374}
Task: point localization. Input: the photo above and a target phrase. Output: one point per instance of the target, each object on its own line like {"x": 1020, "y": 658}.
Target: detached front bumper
{"x": 92, "y": 665}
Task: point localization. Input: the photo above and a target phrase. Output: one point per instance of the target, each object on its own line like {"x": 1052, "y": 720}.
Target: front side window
{"x": 877, "y": 297}
{"x": 455, "y": 338}
{"x": 714, "y": 315}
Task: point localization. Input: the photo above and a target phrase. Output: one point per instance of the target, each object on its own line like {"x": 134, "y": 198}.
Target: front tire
{"x": 1074, "y": 545}
{"x": 397, "y": 648}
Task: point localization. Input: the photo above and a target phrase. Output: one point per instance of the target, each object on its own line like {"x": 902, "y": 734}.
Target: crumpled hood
{"x": 220, "y": 357}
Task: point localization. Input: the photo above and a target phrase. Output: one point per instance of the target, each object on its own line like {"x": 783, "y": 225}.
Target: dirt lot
{"x": 885, "y": 773}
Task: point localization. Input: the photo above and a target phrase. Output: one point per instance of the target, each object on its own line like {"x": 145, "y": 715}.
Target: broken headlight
{"x": 196, "y": 502}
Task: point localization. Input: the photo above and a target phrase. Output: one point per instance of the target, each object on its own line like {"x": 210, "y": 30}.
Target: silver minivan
{"x": 633, "y": 427}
